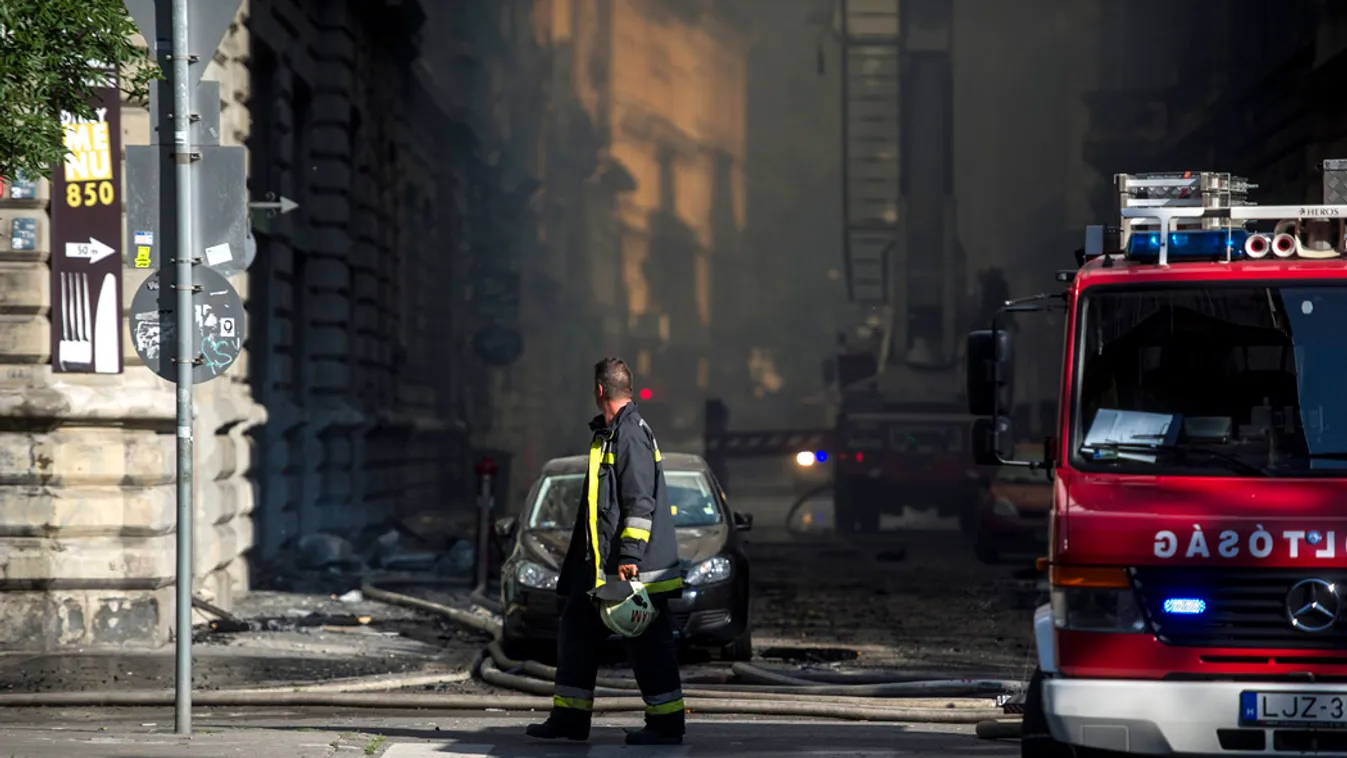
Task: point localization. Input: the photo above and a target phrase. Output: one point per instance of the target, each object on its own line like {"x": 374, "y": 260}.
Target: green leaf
{"x": 45, "y": 50}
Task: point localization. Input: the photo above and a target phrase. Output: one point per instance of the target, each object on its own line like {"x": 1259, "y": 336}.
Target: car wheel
{"x": 739, "y": 650}
{"x": 521, "y": 649}
{"x": 1035, "y": 740}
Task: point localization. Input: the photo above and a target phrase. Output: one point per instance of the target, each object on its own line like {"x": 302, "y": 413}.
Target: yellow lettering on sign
{"x": 89, "y": 194}
{"x": 90, "y": 149}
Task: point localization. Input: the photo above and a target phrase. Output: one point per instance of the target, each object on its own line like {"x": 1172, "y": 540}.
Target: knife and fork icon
{"x": 88, "y": 335}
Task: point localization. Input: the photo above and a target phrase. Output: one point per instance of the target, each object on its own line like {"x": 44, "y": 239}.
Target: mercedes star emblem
{"x": 1313, "y": 605}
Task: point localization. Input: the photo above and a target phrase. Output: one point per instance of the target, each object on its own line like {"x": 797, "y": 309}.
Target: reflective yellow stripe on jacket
{"x": 596, "y": 457}
{"x": 611, "y": 459}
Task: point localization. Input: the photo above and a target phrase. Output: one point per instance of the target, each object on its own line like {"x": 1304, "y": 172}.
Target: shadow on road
{"x": 725, "y": 737}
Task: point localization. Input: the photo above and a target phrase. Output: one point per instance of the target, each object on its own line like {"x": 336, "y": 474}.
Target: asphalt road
{"x": 148, "y": 733}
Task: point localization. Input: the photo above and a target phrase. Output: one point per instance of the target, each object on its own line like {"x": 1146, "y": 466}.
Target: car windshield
{"x": 559, "y": 495}
{"x": 1214, "y": 381}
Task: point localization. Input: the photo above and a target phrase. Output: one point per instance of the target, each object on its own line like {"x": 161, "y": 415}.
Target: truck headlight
{"x": 1097, "y": 609}
{"x": 1003, "y": 507}
{"x": 535, "y": 576}
{"x": 709, "y": 571}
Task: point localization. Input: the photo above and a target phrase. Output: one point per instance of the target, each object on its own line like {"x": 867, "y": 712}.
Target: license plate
{"x": 1283, "y": 708}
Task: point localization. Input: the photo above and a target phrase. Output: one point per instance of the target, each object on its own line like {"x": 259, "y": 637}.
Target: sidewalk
{"x": 306, "y": 640}
{"x": 207, "y": 743}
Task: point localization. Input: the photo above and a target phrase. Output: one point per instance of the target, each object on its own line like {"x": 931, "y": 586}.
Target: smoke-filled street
{"x": 541, "y": 378}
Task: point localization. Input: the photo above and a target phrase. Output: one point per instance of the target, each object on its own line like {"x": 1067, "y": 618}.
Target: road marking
{"x": 614, "y": 751}
{"x": 460, "y": 750}
{"x": 437, "y": 750}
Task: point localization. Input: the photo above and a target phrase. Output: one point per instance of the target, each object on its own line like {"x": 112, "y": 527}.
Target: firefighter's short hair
{"x": 613, "y": 375}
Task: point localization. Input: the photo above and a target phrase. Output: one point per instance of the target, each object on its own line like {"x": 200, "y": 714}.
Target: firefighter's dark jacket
{"x": 625, "y": 517}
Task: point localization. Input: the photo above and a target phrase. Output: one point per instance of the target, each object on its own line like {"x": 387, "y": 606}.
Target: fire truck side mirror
{"x": 990, "y": 372}
{"x": 993, "y": 441}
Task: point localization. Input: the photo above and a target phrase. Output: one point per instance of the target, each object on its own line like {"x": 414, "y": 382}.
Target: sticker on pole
{"x": 218, "y": 324}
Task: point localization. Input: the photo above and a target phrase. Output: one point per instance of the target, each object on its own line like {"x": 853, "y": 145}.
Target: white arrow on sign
{"x": 92, "y": 251}
{"x": 284, "y": 205}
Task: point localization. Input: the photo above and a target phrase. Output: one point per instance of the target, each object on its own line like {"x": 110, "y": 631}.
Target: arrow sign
{"x": 92, "y": 251}
{"x": 284, "y": 205}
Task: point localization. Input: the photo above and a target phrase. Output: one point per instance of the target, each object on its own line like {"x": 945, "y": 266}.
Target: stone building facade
{"x": 522, "y": 166}
{"x": 355, "y": 292}
{"x": 635, "y": 151}
{"x": 356, "y": 346}
{"x": 87, "y": 494}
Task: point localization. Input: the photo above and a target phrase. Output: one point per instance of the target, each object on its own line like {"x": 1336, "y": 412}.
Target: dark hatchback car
{"x": 713, "y": 612}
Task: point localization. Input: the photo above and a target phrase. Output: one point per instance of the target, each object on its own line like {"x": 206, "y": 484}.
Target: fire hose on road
{"x": 771, "y": 694}
{"x": 777, "y": 695}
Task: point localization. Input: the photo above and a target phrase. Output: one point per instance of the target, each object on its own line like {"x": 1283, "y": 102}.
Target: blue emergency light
{"x": 1185, "y": 606}
{"x": 820, "y": 455}
{"x": 1203, "y": 245}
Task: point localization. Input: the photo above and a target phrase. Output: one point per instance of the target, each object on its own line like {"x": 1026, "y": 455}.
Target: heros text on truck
{"x": 1198, "y": 535}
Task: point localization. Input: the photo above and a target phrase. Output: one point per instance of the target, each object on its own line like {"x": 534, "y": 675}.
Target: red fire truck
{"x": 1198, "y": 597}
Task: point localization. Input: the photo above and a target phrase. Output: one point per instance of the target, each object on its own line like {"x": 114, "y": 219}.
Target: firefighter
{"x": 620, "y": 572}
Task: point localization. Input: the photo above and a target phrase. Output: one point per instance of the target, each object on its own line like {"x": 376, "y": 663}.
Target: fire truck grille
{"x": 1244, "y": 608}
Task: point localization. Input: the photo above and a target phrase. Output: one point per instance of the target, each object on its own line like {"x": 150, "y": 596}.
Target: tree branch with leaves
{"x": 48, "y": 53}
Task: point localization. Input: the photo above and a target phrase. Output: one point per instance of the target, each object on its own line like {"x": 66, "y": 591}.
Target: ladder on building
{"x": 870, "y": 145}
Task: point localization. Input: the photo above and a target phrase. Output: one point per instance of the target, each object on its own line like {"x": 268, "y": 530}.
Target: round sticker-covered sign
{"x": 217, "y": 324}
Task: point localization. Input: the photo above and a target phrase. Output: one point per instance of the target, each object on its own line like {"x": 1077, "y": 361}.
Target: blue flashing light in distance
{"x": 1206, "y": 245}
{"x": 821, "y": 455}
{"x": 1185, "y": 606}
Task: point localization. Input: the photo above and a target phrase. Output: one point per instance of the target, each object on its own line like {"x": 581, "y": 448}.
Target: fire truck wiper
{"x": 1233, "y": 463}
{"x": 1333, "y": 456}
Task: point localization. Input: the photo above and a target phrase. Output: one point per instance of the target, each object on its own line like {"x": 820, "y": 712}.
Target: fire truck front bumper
{"x": 1197, "y": 718}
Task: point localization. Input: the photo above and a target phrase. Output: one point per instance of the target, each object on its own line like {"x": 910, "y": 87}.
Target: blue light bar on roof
{"x": 1204, "y": 245}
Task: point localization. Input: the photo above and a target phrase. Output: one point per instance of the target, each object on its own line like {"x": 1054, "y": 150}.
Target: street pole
{"x": 183, "y": 282}
{"x": 486, "y": 473}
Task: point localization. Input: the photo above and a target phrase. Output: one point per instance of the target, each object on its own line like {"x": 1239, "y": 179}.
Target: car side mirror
{"x": 506, "y": 527}
{"x": 743, "y": 521}
{"x": 993, "y": 441}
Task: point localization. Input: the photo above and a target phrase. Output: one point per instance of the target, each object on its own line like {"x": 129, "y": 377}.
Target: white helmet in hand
{"x": 625, "y": 607}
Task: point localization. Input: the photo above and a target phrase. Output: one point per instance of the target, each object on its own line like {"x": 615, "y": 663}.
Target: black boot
{"x": 648, "y": 736}
{"x": 665, "y": 729}
{"x": 555, "y": 728}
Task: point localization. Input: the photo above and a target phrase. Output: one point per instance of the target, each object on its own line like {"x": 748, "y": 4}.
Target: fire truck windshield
{"x": 1212, "y": 380}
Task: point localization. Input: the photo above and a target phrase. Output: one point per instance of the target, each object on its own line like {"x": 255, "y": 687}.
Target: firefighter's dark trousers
{"x": 653, "y": 656}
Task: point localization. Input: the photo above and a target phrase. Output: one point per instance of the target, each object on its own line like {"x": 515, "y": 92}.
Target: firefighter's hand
{"x": 627, "y": 572}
